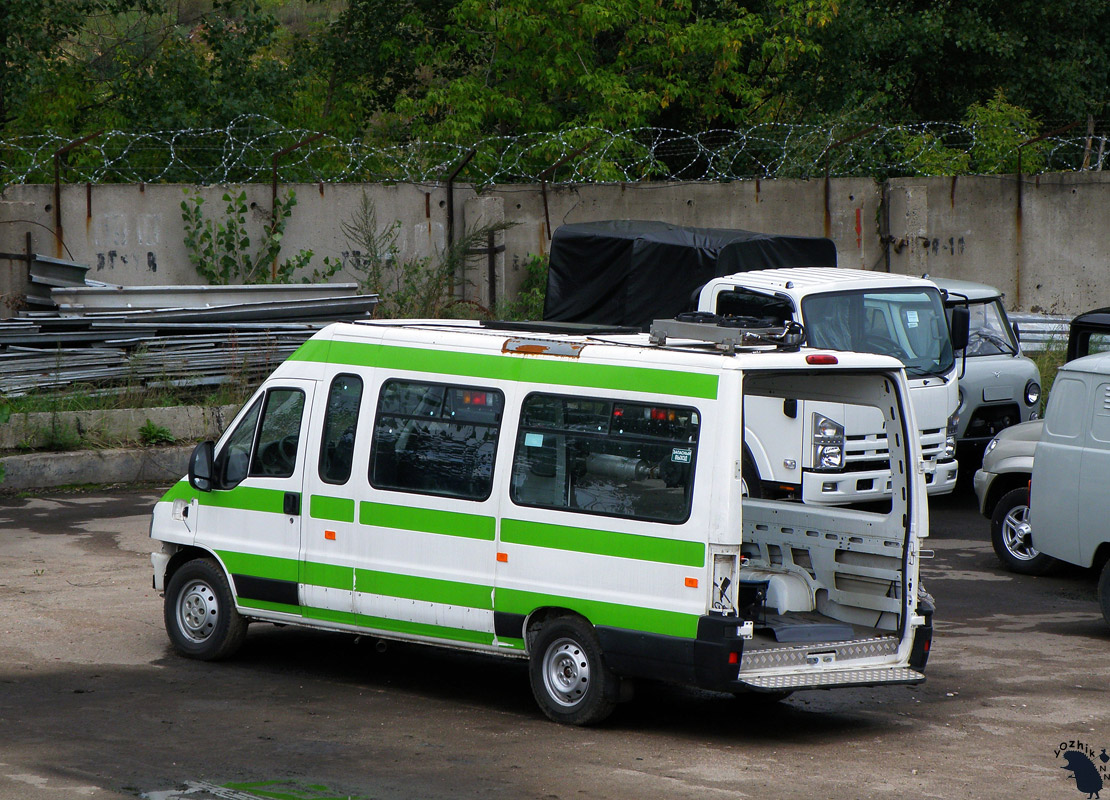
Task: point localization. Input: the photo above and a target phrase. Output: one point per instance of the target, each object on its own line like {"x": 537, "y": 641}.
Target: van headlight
{"x": 1032, "y": 393}
{"x": 828, "y": 443}
{"x": 950, "y": 436}
{"x": 993, "y": 443}
{"x": 962, "y": 400}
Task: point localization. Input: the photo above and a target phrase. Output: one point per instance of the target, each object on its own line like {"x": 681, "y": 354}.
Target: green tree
{"x": 913, "y": 60}
{"x": 38, "y": 60}
{"x": 526, "y": 65}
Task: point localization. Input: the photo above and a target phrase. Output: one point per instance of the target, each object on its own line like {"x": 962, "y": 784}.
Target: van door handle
{"x": 292, "y": 504}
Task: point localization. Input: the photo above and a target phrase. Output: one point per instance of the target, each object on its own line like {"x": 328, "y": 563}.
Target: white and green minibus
{"x": 570, "y": 497}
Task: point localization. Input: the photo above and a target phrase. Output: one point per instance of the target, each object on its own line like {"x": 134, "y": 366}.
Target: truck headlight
{"x": 1032, "y": 393}
{"x": 828, "y": 443}
{"x": 950, "y": 436}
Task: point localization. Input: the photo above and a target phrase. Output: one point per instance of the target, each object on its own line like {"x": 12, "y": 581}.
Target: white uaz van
{"x": 1069, "y": 494}
{"x": 570, "y": 499}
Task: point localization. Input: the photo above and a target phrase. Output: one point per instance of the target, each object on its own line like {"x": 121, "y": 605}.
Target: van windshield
{"x": 989, "y": 331}
{"x": 908, "y": 324}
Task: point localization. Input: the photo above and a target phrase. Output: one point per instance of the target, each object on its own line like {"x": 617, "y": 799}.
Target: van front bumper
{"x": 865, "y": 486}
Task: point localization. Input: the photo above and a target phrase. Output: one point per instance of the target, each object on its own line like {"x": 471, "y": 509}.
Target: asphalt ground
{"x": 93, "y": 704}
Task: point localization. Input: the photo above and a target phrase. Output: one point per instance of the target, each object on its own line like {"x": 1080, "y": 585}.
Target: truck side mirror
{"x": 200, "y": 467}
{"x": 960, "y": 324}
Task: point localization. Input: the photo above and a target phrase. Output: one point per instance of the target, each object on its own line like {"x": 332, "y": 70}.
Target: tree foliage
{"x": 912, "y": 60}
{"x": 506, "y": 68}
{"x": 391, "y": 71}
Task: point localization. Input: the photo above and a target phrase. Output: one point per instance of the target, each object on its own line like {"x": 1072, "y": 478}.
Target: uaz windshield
{"x": 908, "y": 324}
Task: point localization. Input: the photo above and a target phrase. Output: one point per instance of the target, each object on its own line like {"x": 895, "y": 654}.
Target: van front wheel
{"x": 1012, "y": 538}
{"x": 568, "y": 675}
{"x": 200, "y": 614}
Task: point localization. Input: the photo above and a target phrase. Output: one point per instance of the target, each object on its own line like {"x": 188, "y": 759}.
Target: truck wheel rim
{"x": 566, "y": 672}
{"x": 1017, "y": 534}
{"x": 197, "y": 611}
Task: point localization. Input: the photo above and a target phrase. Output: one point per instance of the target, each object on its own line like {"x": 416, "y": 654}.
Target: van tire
{"x": 200, "y": 613}
{"x": 1104, "y": 592}
{"x": 569, "y": 678}
{"x": 1011, "y": 543}
{"x": 749, "y": 474}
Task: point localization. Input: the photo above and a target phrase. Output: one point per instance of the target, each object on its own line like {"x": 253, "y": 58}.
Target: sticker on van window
{"x": 533, "y": 440}
{"x": 681, "y": 455}
{"x": 911, "y": 319}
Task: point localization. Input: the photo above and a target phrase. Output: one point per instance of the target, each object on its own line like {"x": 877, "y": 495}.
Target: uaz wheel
{"x": 569, "y": 678}
{"x": 200, "y": 614}
{"x": 1012, "y": 536}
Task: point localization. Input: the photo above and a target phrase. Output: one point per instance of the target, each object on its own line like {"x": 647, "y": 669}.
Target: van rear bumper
{"x": 713, "y": 660}
{"x": 709, "y": 661}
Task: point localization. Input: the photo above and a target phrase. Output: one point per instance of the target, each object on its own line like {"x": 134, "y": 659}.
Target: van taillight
{"x": 821, "y": 358}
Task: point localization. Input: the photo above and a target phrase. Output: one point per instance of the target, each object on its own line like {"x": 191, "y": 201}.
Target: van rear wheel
{"x": 1012, "y": 537}
{"x": 569, "y": 678}
{"x": 200, "y": 613}
{"x": 1104, "y": 592}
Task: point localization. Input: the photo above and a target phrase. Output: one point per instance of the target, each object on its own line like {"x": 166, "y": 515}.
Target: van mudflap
{"x": 832, "y": 679}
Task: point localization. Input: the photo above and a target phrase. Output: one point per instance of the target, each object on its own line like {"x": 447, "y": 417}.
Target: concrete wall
{"x": 1047, "y": 249}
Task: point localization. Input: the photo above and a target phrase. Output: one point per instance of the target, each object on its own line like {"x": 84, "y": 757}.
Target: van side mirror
{"x": 960, "y": 325}
{"x": 200, "y": 467}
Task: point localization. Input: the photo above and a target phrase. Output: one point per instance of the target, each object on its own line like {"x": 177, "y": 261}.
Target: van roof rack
{"x": 729, "y": 333}
{"x": 551, "y": 326}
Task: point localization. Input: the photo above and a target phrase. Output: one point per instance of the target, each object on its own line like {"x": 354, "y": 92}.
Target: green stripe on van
{"x": 647, "y": 620}
{"x": 330, "y": 576}
{"x": 339, "y": 509}
{"x": 425, "y": 629}
{"x": 246, "y": 498}
{"x": 533, "y": 369}
{"x": 603, "y": 543}
{"x": 428, "y": 590}
{"x": 427, "y": 520}
{"x": 256, "y": 566}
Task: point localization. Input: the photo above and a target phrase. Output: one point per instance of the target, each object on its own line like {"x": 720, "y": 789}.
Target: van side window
{"x": 337, "y": 448}
{"x": 232, "y": 462}
{"x": 1100, "y": 424}
{"x": 1067, "y": 405}
{"x": 279, "y": 433}
{"x": 436, "y": 439}
{"x": 739, "y": 302}
{"x": 605, "y": 457}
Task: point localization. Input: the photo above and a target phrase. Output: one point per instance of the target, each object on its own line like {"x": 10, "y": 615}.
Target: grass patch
{"x": 86, "y": 397}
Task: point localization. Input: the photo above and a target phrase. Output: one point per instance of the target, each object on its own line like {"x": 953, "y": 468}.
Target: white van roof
{"x": 471, "y": 336}
{"x": 799, "y": 281}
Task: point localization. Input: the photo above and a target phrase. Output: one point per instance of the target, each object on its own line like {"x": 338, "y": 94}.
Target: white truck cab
{"x": 838, "y": 454}
{"x": 573, "y": 500}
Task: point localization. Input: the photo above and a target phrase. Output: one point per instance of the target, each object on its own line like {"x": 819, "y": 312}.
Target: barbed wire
{"x": 244, "y": 152}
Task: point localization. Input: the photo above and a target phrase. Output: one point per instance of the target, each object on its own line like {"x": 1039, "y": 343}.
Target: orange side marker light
{"x": 692, "y": 583}
{"x": 503, "y": 558}
{"x": 329, "y": 535}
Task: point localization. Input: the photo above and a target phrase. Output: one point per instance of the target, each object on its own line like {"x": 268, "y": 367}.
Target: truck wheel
{"x": 750, "y": 485}
{"x": 200, "y": 614}
{"x": 568, "y": 675}
{"x": 1011, "y": 536}
{"x": 1104, "y": 592}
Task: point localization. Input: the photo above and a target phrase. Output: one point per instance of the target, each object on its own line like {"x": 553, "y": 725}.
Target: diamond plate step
{"x": 835, "y": 678}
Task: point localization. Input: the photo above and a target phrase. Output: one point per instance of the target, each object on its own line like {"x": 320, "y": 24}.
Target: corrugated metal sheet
{"x": 198, "y": 336}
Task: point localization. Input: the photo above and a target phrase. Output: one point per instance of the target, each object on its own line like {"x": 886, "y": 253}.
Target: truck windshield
{"x": 908, "y": 324}
{"x": 989, "y": 331}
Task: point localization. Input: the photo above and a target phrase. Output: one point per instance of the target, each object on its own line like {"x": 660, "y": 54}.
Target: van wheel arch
{"x": 1002, "y": 486}
{"x": 566, "y": 668}
{"x": 199, "y": 611}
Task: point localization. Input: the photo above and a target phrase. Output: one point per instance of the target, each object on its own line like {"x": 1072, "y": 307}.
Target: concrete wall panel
{"x": 1052, "y": 254}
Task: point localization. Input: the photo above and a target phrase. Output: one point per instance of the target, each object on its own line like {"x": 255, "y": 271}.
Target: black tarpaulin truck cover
{"x": 629, "y": 272}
